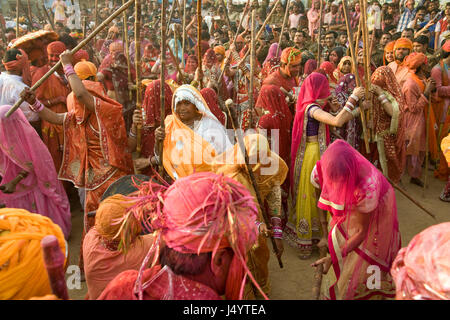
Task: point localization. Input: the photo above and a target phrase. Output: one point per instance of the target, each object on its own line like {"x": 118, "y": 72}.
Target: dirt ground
{"x": 294, "y": 281}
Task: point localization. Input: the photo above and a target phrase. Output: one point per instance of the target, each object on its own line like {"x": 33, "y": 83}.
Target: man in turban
{"x": 208, "y": 224}
{"x": 417, "y": 95}
{"x": 14, "y": 80}
{"x": 402, "y": 48}
{"x": 290, "y": 68}
{"x": 53, "y": 94}
{"x": 106, "y": 251}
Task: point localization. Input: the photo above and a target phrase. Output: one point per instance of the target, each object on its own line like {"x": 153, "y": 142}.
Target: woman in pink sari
{"x": 310, "y": 137}
{"x": 29, "y": 179}
{"x": 364, "y": 237}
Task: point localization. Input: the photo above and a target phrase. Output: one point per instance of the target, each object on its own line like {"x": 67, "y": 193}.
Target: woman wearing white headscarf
{"x": 192, "y": 137}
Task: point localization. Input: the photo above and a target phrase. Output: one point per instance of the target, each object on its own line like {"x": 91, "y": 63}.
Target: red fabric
{"x": 56, "y": 47}
{"x": 122, "y": 287}
{"x": 275, "y": 78}
{"x": 191, "y": 64}
{"x": 352, "y": 186}
{"x": 328, "y": 67}
{"x": 80, "y": 55}
{"x": 21, "y": 63}
{"x": 276, "y": 115}
{"x": 314, "y": 87}
{"x": 152, "y": 107}
{"x": 210, "y": 97}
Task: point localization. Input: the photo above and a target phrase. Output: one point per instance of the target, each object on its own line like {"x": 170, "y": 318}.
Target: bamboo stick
{"x": 73, "y": 51}
{"x": 427, "y": 134}
{"x": 318, "y": 275}
{"x": 137, "y": 61}
{"x": 286, "y": 13}
{"x": 30, "y": 16}
{"x": 226, "y": 14}
{"x": 252, "y": 63}
{"x": 199, "y": 40}
{"x": 54, "y": 264}
{"x": 162, "y": 76}
{"x": 238, "y": 134}
{"x": 319, "y": 33}
{"x": 172, "y": 9}
{"x": 127, "y": 50}
{"x": 48, "y": 16}
{"x": 17, "y": 19}
{"x": 184, "y": 32}
{"x": 176, "y": 64}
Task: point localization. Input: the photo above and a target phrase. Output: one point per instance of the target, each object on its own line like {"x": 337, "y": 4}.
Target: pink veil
{"x": 22, "y": 149}
{"x": 346, "y": 179}
{"x": 314, "y": 87}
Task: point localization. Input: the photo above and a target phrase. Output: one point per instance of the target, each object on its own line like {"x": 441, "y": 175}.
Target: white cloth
{"x": 10, "y": 88}
{"x": 209, "y": 128}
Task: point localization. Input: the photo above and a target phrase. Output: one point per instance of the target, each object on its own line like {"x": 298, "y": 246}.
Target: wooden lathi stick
{"x": 184, "y": 32}
{"x": 127, "y": 49}
{"x": 199, "y": 41}
{"x": 137, "y": 61}
{"x": 30, "y": 16}
{"x": 163, "y": 79}
{"x": 17, "y": 19}
{"x": 238, "y": 134}
{"x": 251, "y": 101}
{"x": 48, "y": 16}
{"x": 226, "y": 14}
{"x": 286, "y": 13}
{"x": 427, "y": 134}
{"x": 319, "y": 33}
{"x": 73, "y": 51}
{"x": 54, "y": 263}
{"x": 318, "y": 275}
{"x": 176, "y": 64}
{"x": 410, "y": 197}
{"x": 170, "y": 15}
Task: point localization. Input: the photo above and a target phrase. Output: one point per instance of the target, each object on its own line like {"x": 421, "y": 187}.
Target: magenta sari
{"x": 40, "y": 192}
{"x": 351, "y": 188}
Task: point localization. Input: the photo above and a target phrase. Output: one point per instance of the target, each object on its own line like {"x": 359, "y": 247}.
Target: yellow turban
{"x": 220, "y": 50}
{"x": 23, "y": 274}
{"x": 403, "y": 43}
{"x": 108, "y": 218}
{"x": 85, "y": 69}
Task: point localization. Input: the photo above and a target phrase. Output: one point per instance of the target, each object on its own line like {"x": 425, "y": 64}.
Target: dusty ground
{"x": 295, "y": 280}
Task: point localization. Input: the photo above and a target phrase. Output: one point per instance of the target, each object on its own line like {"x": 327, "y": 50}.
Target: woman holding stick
{"x": 310, "y": 137}
{"x": 364, "y": 235}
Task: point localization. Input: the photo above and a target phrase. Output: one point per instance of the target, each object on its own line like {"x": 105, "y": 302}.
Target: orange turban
{"x": 85, "y": 69}
{"x": 116, "y": 46}
{"x": 403, "y": 43}
{"x": 108, "y": 214}
{"x": 35, "y": 53}
{"x": 20, "y": 64}
{"x": 220, "y": 50}
{"x": 56, "y": 47}
{"x": 415, "y": 60}
{"x": 389, "y": 47}
{"x": 290, "y": 56}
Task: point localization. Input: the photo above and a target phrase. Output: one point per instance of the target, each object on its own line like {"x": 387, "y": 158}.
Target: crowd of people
{"x": 304, "y": 144}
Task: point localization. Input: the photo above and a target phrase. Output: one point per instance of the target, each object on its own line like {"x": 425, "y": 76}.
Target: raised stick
{"x": 54, "y": 264}
{"x": 226, "y": 14}
{"x": 286, "y": 13}
{"x": 199, "y": 40}
{"x": 17, "y": 19}
{"x": 319, "y": 34}
{"x": 127, "y": 50}
{"x": 48, "y": 16}
{"x": 30, "y": 16}
{"x": 427, "y": 134}
{"x": 73, "y": 51}
{"x": 238, "y": 134}
{"x": 252, "y": 63}
{"x": 172, "y": 9}
{"x": 137, "y": 61}
{"x": 184, "y": 31}
{"x": 162, "y": 76}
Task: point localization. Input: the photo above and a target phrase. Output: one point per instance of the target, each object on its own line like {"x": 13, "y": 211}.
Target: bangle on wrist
{"x": 385, "y": 101}
{"x": 133, "y": 135}
{"x": 68, "y": 70}
{"x": 354, "y": 97}
{"x": 37, "y": 106}
{"x": 381, "y": 97}
{"x": 350, "y": 105}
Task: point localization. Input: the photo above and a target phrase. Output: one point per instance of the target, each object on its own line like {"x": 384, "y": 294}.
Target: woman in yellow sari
{"x": 193, "y": 136}
{"x": 270, "y": 171}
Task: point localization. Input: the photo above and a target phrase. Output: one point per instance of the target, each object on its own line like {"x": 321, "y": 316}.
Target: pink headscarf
{"x": 349, "y": 181}
{"x": 274, "y": 52}
{"x": 421, "y": 271}
{"x": 21, "y": 148}
{"x": 314, "y": 87}
{"x": 310, "y": 66}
